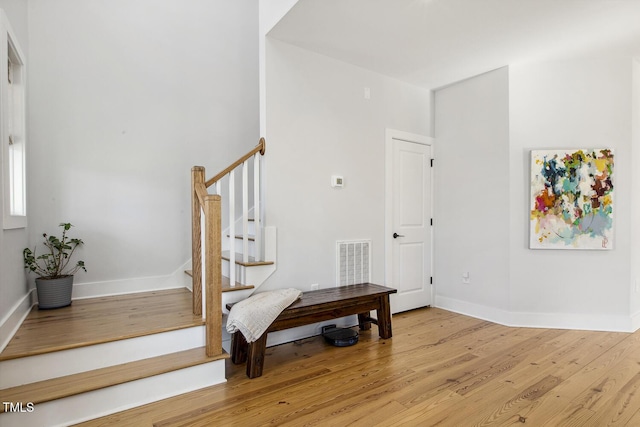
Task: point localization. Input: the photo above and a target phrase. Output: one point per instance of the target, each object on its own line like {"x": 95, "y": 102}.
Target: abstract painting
{"x": 571, "y": 199}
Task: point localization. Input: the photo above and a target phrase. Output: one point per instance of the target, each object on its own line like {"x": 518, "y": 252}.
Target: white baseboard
{"x": 635, "y": 321}
{"x": 478, "y": 311}
{"x": 175, "y": 280}
{"x": 12, "y": 321}
{"x": 579, "y": 321}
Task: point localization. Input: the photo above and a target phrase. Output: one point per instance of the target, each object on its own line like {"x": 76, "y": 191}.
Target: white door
{"x": 408, "y": 246}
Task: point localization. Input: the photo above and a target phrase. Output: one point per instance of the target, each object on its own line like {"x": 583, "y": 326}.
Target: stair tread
{"x": 226, "y": 284}
{"x": 101, "y": 320}
{"x": 70, "y": 385}
{"x": 250, "y": 237}
{"x": 251, "y": 263}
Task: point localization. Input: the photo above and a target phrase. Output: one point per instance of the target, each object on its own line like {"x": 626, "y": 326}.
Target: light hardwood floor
{"x": 440, "y": 368}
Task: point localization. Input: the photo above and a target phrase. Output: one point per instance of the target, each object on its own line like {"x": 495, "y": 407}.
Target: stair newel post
{"x": 197, "y": 179}
{"x": 213, "y": 271}
{"x": 232, "y": 228}
{"x": 257, "y": 223}
{"x": 245, "y": 211}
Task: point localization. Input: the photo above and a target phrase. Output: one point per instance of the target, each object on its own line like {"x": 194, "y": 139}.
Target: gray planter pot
{"x": 54, "y": 293}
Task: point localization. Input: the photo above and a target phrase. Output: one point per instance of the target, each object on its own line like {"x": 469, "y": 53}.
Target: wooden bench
{"x": 318, "y": 306}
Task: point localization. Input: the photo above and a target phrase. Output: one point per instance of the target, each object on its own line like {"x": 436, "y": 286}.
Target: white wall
{"x": 486, "y": 128}
{"x": 270, "y": 13}
{"x": 570, "y": 104}
{"x": 635, "y": 207}
{"x": 471, "y": 200}
{"x": 125, "y": 98}
{"x": 319, "y": 124}
{"x": 14, "y": 297}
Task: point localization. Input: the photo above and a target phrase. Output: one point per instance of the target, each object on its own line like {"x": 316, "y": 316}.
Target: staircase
{"x": 230, "y": 269}
{"x": 104, "y": 355}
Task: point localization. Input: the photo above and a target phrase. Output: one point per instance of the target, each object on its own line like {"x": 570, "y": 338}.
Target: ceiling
{"x": 432, "y": 43}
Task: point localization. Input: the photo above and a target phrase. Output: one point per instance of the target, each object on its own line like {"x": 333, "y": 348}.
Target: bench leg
{"x": 238, "y": 348}
{"x": 384, "y": 317}
{"x": 255, "y": 359}
{"x": 364, "y": 321}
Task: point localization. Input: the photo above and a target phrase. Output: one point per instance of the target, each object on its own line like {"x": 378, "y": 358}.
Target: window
{"x": 12, "y": 124}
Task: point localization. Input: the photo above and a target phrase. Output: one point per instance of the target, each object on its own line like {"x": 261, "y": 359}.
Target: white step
{"x": 102, "y": 400}
{"x": 239, "y": 243}
{"x": 50, "y": 376}
{"x": 25, "y": 370}
{"x": 256, "y": 273}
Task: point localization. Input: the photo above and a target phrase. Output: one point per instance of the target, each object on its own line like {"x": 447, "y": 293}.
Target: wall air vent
{"x": 353, "y": 262}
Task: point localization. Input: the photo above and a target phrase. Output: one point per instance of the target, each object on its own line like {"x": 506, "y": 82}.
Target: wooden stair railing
{"x": 208, "y": 207}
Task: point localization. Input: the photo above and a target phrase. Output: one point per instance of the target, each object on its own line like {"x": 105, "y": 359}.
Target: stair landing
{"x": 101, "y": 320}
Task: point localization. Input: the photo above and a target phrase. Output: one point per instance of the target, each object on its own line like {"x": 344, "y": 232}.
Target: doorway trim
{"x": 390, "y": 135}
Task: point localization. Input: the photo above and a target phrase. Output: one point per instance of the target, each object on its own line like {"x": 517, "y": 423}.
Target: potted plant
{"x": 55, "y": 273}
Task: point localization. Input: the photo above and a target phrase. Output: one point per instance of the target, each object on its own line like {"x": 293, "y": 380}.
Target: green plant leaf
{"x": 54, "y": 262}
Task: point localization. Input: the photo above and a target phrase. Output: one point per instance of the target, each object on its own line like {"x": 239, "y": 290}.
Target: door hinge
{"x": 431, "y": 221}
{"x": 431, "y": 162}
{"x": 431, "y": 280}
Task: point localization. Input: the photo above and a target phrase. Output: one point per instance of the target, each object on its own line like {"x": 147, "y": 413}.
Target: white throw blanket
{"x": 254, "y": 315}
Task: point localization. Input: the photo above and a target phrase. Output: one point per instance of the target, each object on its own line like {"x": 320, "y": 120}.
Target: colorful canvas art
{"x": 571, "y": 199}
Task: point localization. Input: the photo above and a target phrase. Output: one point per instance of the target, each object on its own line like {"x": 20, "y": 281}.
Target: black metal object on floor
{"x": 340, "y": 337}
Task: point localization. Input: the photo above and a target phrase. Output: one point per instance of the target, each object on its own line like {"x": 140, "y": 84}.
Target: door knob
{"x": 396, "y": 235}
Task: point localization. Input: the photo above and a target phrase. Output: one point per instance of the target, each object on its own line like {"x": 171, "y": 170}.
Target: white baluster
{"x": 245, "y": 211}
{"x": 232, "y": 228}
{"x": 256, "y": 208}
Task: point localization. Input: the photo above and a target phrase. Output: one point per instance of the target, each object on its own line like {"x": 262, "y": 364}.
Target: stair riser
{"x": 255, "y": 275}
{"x": 26, "y": 370}
{"x": 225, "y": 271}
{"x": 238, "y": 225}
{"x": 252, "y": 247}
{"x": 241, "y": 272}
{"x": 86, "y": 406}
{"x": 233, "y": 297}
{"x": 249, "y": 275}
{"x": 225, "y": 240}
{"x": 258, "y": 274}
